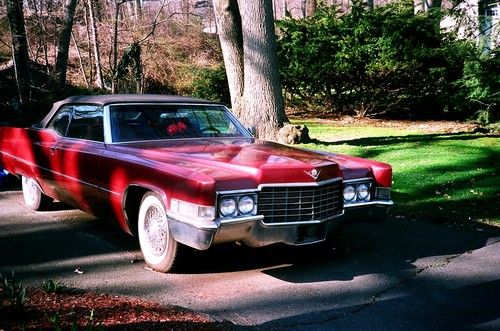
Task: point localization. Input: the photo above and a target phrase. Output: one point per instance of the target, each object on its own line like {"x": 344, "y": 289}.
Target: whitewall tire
{"x": 158, "y": 246}
{"x": 33, "y": 195}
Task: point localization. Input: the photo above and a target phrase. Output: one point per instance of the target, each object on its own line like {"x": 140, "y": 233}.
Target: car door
{"x": 44, "y": 142}
{"x": 75, "y": 158}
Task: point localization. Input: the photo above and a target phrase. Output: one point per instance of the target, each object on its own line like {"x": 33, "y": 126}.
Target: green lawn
{"x": 442, "y": 177}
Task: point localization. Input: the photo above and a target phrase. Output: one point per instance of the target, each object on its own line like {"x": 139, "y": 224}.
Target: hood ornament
{"x": 313, "y": 173}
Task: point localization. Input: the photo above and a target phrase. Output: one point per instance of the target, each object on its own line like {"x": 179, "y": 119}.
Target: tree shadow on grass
{"x": 391, "y": 140}
{"x": 464, "y": 188}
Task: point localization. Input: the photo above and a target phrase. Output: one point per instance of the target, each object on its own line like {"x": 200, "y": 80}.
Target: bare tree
{"x": 114, "y": 50}
{"x": 41, "y": 34}
{"x": 138, "y": 9}
{"x": 80, "y": 61}
{"x": 248, "y": 41}
{"x": 95, "y": 39}
{"x": 64, "y": 41}
{"x": 131, "y": 57}
{"x": 19, "y": 47}
{"x": 89, "y": 40}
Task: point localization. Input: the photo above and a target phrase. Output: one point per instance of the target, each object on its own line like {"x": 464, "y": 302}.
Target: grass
{"x": 439, "y": 176}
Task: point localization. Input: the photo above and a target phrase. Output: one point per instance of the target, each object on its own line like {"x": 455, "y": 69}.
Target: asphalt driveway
{"x": 401, "y": 274}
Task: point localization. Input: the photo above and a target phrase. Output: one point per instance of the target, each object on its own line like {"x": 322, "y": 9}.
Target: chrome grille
{"x": 300, "y": 203}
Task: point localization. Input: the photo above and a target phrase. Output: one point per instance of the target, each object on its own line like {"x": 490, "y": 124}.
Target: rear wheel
{"x": 158, "y": 246}
{"x": 33, "y": 195}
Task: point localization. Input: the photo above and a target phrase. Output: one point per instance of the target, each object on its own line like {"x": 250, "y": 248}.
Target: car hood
{"x": 236, "y": 163}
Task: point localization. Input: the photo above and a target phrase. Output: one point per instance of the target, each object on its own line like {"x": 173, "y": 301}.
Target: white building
{"x": 478, "y": 20}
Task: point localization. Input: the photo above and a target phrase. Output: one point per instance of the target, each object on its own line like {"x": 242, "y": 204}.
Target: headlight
{"x": 237, "y": 204}
{"x": 349, "y": 193}
{"x": 363, "y": 192}
{"x": 227, "y": 207}
{"x": 246, "y": 204}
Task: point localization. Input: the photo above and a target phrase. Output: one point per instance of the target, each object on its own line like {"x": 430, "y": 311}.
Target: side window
{"x": 60, "y": 122}
{"x": 87, "y": 123}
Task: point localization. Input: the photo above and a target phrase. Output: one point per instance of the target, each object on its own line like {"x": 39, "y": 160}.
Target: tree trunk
{"x": 114, "y": 51}
{"x": 64, "y": 41}
{"x": 89, "y": 43}
{"x": 138, "y": 10}
{"x": 248, "y": 40}
{"x": 228, "y": 22}
{"x": 425, "y": 5}
{"x": 262, "y": 99}
{"x": 185, "y": 10}
{"x": 97, "y": 56}
{"x": 311, "y": 6}
{"x": 19, "y": 48}
{"x": 82, "y": 69}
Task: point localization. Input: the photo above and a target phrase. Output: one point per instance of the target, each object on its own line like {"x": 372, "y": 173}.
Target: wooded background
{"x": 335, "y": 57}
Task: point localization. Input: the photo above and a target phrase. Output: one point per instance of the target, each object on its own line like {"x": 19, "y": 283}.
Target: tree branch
{"x": 155, "y": 23}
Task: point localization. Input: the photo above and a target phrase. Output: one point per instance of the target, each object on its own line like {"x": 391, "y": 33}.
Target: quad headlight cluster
{"x": 357, "y": 192}
{"x": 238, "y": 205}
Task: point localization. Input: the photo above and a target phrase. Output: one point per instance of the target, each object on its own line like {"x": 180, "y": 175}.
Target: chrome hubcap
{"x": 156, "y": 230}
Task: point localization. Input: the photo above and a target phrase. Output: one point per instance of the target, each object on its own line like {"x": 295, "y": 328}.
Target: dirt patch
{"x": 43, "y": 311}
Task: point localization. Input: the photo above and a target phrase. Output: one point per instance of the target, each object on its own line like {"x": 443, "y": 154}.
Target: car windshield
{"x": 134, "y": 122}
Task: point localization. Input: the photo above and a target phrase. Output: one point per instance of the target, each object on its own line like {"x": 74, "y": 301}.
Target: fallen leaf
{"x": 78, "y": 271}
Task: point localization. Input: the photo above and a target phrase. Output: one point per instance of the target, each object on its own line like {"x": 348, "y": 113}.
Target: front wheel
{"x": 158, "y": 246}
{"x": 33, "y": 196}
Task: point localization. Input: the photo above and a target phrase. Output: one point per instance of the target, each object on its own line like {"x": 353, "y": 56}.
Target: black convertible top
{"x": 104, "y": 99}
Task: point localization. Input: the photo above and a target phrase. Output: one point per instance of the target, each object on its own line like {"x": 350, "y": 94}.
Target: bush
{"x": 480, "y": 86}
{"x": 386, "y": 61}
{"x": 211, "y": 84}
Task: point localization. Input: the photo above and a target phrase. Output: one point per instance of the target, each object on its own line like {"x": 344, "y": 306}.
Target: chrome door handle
{"x": 53, "y": 149}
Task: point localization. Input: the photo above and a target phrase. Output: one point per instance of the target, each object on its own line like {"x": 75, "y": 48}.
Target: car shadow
{"x": 391, "y": 247}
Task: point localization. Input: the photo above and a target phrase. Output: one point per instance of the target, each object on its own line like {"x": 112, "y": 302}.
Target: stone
{"x": 294, "y": 134}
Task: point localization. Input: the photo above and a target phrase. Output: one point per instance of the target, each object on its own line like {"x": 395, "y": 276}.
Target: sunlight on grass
{"x": 440, "y": 176}
{"x": 328, "y": 133}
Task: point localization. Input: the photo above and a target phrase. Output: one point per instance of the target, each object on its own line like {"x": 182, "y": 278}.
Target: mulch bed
{"x": 90, "y": 311}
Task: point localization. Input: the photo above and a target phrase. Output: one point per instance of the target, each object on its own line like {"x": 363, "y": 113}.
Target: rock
{"x": 294, "y": 134}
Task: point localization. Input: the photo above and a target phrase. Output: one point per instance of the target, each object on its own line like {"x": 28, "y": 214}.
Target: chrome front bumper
{"x": 373, "y": 211}
{"x": 254, "y": 232}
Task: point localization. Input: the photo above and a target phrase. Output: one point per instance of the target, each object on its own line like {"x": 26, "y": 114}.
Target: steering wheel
{"x": 211, "y": 130}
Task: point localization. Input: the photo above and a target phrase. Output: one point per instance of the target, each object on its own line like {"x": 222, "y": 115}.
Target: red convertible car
{"x": 177, "y": 170}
